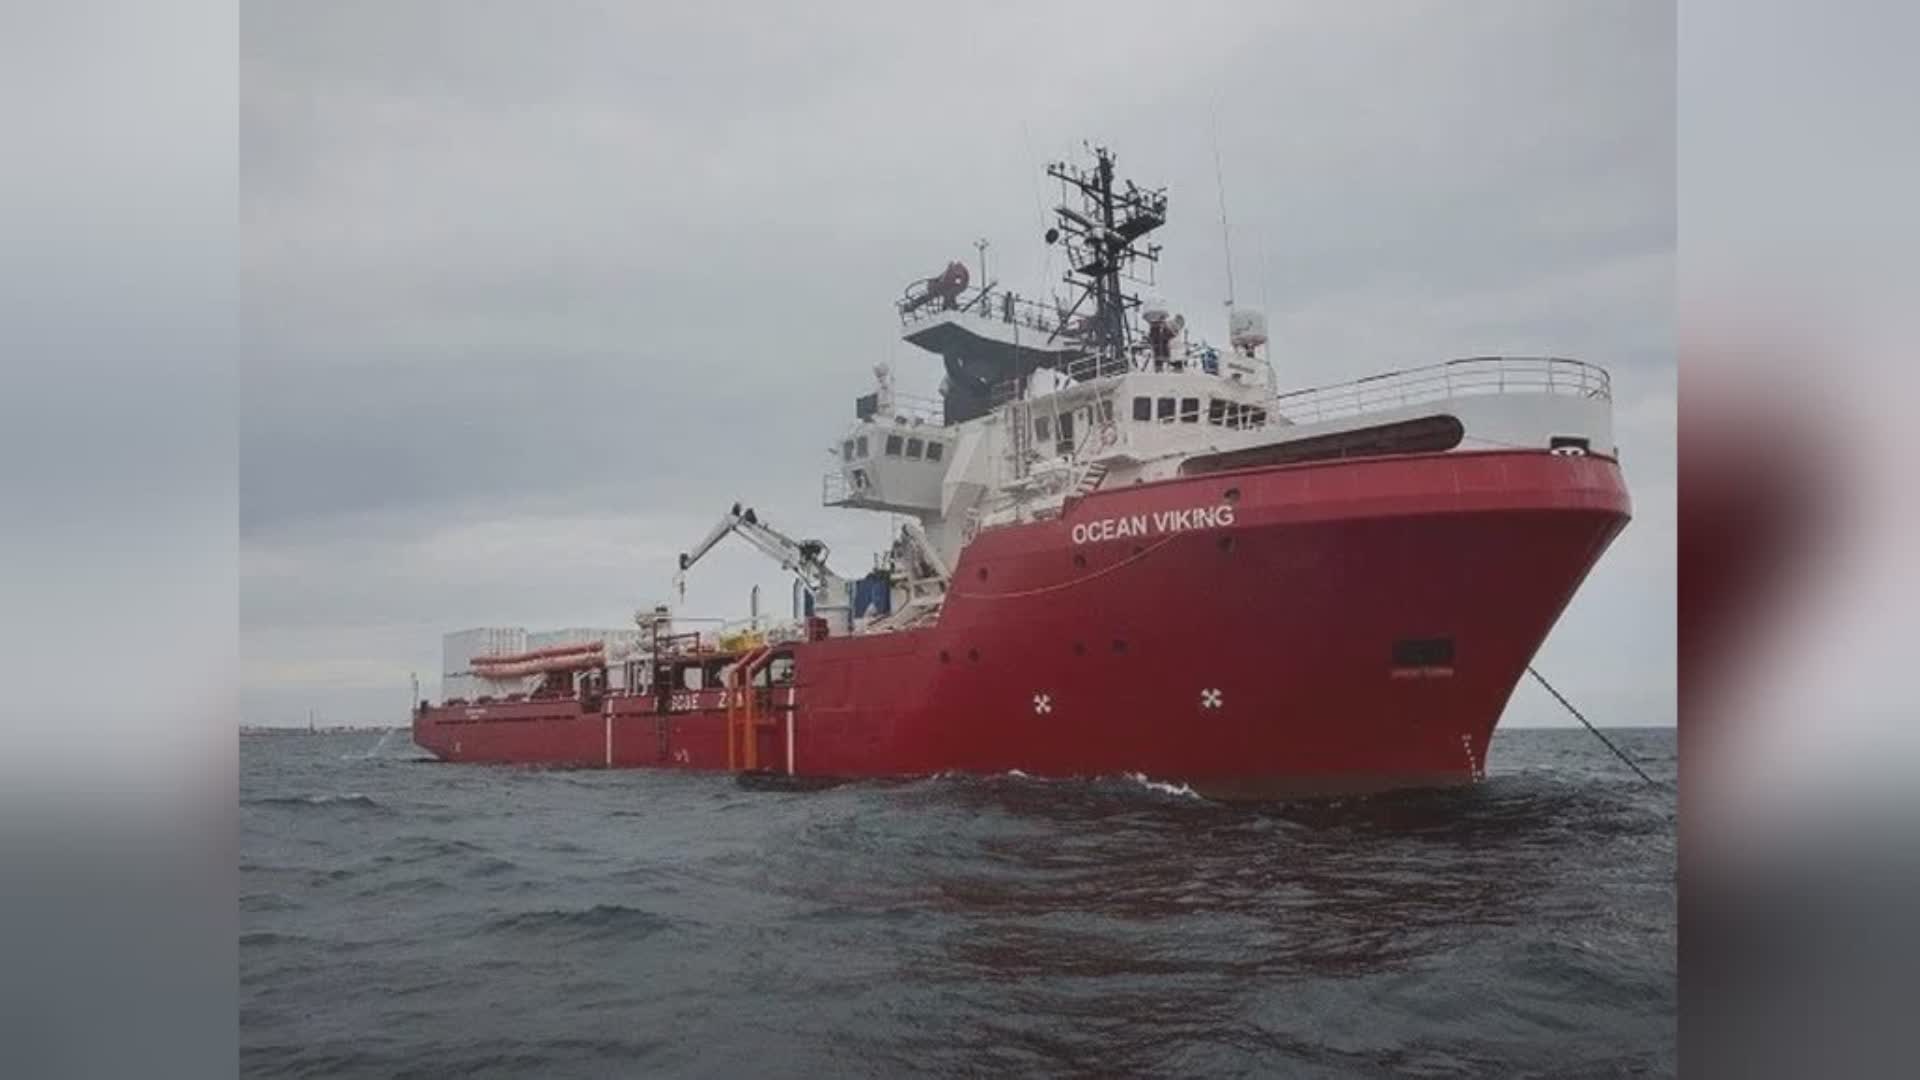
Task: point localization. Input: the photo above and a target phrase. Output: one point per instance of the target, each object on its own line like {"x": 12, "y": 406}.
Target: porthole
{"x": 1232, "y": 495}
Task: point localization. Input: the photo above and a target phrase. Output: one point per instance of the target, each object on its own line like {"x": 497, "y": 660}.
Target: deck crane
{"x": 806, "y": 559}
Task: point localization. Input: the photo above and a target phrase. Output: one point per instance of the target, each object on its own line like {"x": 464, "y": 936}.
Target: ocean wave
{"x": 600, "y": 919}
{"x": 1163, "y": 787}
{"x": 412, "y": 886}
{"x": 342, "y": 799}
{"x": 1031, "y": 925}
{"x": 268, "y": 901}
{"x": 492, "y": 866}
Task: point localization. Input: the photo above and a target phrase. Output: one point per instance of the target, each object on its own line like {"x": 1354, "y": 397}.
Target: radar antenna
{"x": 1103, "y": 238}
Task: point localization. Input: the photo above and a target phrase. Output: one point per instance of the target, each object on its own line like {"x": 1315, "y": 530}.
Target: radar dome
{"x": 1247, "y": 329}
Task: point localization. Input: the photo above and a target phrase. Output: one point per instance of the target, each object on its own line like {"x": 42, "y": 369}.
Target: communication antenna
{"x": 1246, "y": 330}
{"x": 1220, "y": 184}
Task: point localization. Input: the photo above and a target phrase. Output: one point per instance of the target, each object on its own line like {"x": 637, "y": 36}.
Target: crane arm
{"x": 806, "y": 559}
{"x": 929, "y": 555}
{"x": 718, "y": 533}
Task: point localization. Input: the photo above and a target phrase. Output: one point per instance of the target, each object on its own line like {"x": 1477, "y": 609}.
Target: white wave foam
{"x": 1164, "y": 788}
{"x": 375, "y": 750}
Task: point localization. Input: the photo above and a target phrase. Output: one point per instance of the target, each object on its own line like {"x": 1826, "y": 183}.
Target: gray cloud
{"x": 535, "y": 267}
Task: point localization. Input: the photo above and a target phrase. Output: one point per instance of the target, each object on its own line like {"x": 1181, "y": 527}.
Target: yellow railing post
{"x": 750, "y": 739}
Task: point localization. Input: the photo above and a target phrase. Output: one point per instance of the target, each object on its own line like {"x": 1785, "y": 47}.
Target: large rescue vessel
{"x": 1123, "y": 552}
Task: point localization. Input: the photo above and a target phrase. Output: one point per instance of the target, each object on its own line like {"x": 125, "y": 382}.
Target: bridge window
{"x": 846, "y": 450}
{"x": 1190, "y": 410}
{"x": 934, "y": 450}
{"x": 1216, "y": 411}
{"x": 1142, "y": 408}
{"x": 1066, "y": 428}
{"x": 1256, "y": 418}
{"x": 893, "y": 446}
{"x": 1164, "y": 409}
{"x": 914, "y": 447}
{"x": 1042, "y": 428}
{"x": 860, "y": 446}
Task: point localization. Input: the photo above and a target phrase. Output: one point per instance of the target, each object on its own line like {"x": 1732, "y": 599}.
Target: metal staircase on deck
{"x": 1090, "y": 478}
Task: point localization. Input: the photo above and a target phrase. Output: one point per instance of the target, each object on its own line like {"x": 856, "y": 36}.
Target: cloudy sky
{"x": 531, "y": 291}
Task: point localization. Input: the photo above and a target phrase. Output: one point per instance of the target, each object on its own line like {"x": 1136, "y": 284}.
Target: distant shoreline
{"x": 331, "y": 729}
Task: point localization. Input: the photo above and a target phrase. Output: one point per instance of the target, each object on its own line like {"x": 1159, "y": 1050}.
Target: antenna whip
{"x": 1220, "y": 184}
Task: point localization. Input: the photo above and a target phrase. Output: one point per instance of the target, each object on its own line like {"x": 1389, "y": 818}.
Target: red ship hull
{"x": 1338, "y": 627}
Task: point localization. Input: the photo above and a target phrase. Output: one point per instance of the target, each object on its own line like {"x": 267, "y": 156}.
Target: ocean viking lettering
{"x": 1164, "y": 521}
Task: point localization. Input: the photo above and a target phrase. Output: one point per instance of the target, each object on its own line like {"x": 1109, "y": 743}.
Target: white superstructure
{"x": 1044, "y": 403}
{"x": 1068, "y": 431}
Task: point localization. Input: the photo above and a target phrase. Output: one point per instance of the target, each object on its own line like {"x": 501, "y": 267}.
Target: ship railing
{"x": 1077, "y": 371}
{"x": 1197, "y": 357}
{"x": 990, "y": 302}
{"x": 1476, "y": 375}
{"x": 916, "y": 409}
{"x": 840, "y": 487}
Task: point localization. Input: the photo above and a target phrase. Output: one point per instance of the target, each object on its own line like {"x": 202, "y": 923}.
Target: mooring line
{"x": 1608, "y": 743}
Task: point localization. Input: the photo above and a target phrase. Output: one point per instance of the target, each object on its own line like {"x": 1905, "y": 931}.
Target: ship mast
{"x": 1102, "y": 238}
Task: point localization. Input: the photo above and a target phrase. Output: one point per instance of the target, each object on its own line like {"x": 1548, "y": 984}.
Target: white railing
{"x": 1196, "y": 357}
{"x": 915, "y": 409}
{"x": 1439, "y": 382}
{"x": 991, "y": 302}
